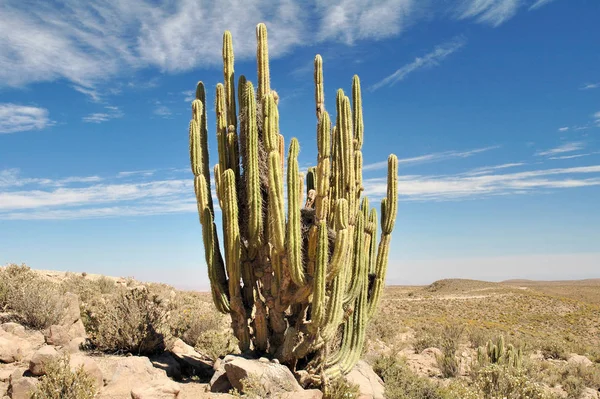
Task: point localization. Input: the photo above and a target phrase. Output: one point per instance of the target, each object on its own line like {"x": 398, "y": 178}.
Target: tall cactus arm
{"x": 323, "y": 167}
{"x": 293, "y": 228}
{"x": 262, "y": 57}
{"x": 319, "y": 90}
{"x": 388, "y": 219}
{"x": 319, "y": 278}
{"x": 251, "y": 172}
{"x": 228, "y": 73}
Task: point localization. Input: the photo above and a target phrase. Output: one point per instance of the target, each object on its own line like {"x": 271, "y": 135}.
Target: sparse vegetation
{"x": 35, "y": 301}
{"x": 341, "y": 389}
{"x": 130, "y": 321}
{"x": 62, "y": 383}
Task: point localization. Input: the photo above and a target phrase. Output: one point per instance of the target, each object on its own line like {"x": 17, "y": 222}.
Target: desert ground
{"x": 68, "y": 335}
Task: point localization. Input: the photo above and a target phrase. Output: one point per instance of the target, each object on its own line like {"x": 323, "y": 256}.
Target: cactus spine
{"x": 290, "y": 284}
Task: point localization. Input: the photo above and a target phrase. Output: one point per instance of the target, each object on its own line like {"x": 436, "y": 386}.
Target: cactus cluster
{"x": 300, "y": 283}
{"x": 499, "y": 353}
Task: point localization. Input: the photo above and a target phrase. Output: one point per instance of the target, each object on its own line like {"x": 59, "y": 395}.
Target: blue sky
{"x": 492, "y": 106}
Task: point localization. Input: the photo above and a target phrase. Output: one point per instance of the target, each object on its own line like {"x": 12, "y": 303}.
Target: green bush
{"x": 62, "y": 383}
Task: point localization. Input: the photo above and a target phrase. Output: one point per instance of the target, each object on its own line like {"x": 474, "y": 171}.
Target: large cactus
{"x": 301, "y": 290}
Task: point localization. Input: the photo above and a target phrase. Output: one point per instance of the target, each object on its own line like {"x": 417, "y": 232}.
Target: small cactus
{"x": 498, "y": 353}
{"x": 291, "y": 279}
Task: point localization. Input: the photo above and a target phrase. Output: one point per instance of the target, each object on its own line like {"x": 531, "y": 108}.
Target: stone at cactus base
{"x": 190, "y": 359}
{"x": 275, "y": 378}
{"x": 371, "y": 386}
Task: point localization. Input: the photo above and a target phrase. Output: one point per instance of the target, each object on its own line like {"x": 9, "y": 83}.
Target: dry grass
{"x": 62, "y": 383}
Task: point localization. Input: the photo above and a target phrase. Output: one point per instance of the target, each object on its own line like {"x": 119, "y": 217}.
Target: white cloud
{"x": 492, "y": 12}
{"x": 590, "y": 86}
{"x": 111, "y": 112}
{"x": 567, "y": 147}
{"x": 429, "y": 60}
{"x": 190, "y": 95}
{"x": 539, "y": 4}
{"x": 20, "y": 118}
{"x": 571, "y": 156}
{"x": 563, "y": 129}
{"x": 463, "y": 186}
{"x": 148, "y": 172}
{"x": 350, "y": 20}
{"x": 88, "y": 42}
{"x": 162, "y": 110}
{"x": 433, "y": 157}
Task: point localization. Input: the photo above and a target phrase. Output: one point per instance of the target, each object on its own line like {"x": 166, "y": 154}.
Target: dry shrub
{"x": 86, "y": 288}
{"x": 499, "y": 382}
{"x": 198, "y": 324}
{"x": 62, "y": 383}
{"x": 341, "y": 388}
{"x": 402, "y": 383}
{"x": 449, "y": 341}
{"x": 130, "y": 321}
{"x": 37, "y": 302}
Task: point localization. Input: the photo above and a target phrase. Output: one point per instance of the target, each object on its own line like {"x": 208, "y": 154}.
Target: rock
{"x": 157, "y": 390}
{"x": 191, "y": 360}
{"x": 15, "y": 329}
{"x": 3, "y": 389}
{"x": 22, "y": 387}
{"x": 305, "y": 394}
{"x": 274, "y": 378}
{"x": 129, "y": 373}
{"x": 89, "y": 366}
{"x": 371, "y": 386}
{"x": 165, "y": 361}
{"x": 432, "y": 352}
{"x": 219, "y": 381}
{"x": 41, "y": 358}
{"x": 579, "y": 360}
{"x": 72, "y": 311}
{"x": 589, "y": 393}
{"x": 75, "y": 345}
{"x": 10, "y": 349}
{"x": 5, "y": 375}
{"x": 63, "y": 335}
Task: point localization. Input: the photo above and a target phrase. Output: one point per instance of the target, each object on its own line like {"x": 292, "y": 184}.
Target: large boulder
{"x": 21, "y": 385}
{"x": 370, "y": 384}
{"x": 576, "y": 359}
{"x": 89, "y": 366}
{"x": 162, "y": 389}
{"x": 134, "y": 375}
{"x": 41, "y": 358}
{"x": 273, "y": 378}
{"x": 13, "y": 348}
{"x": 14, "y": 328}
{"x": 192, "y": 362}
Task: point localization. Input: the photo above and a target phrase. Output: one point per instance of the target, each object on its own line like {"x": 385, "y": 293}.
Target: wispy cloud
{"x": 590, "y": 86}
{"x": 189, "y": 95}
{"x": 563, "y": 129}
{"x": 162, "y": 110}
{"x": 433, "y": 157}
{"x": 492, "y": 12}
{"x": 567, "y": 147}
{"x": 463, "y": 186}
{"x": 539, "y": 4}
{"x": 487, "y": 169}
{"x": 350, "y": 20}
{"x": 429, "y": 60}
{"x": 93, "y": 94}
{"x": 572, "y": 156}
{"x": 148, "y": 172}
{"x": 111, "y": 112}
{"x": 20, "y": 118}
